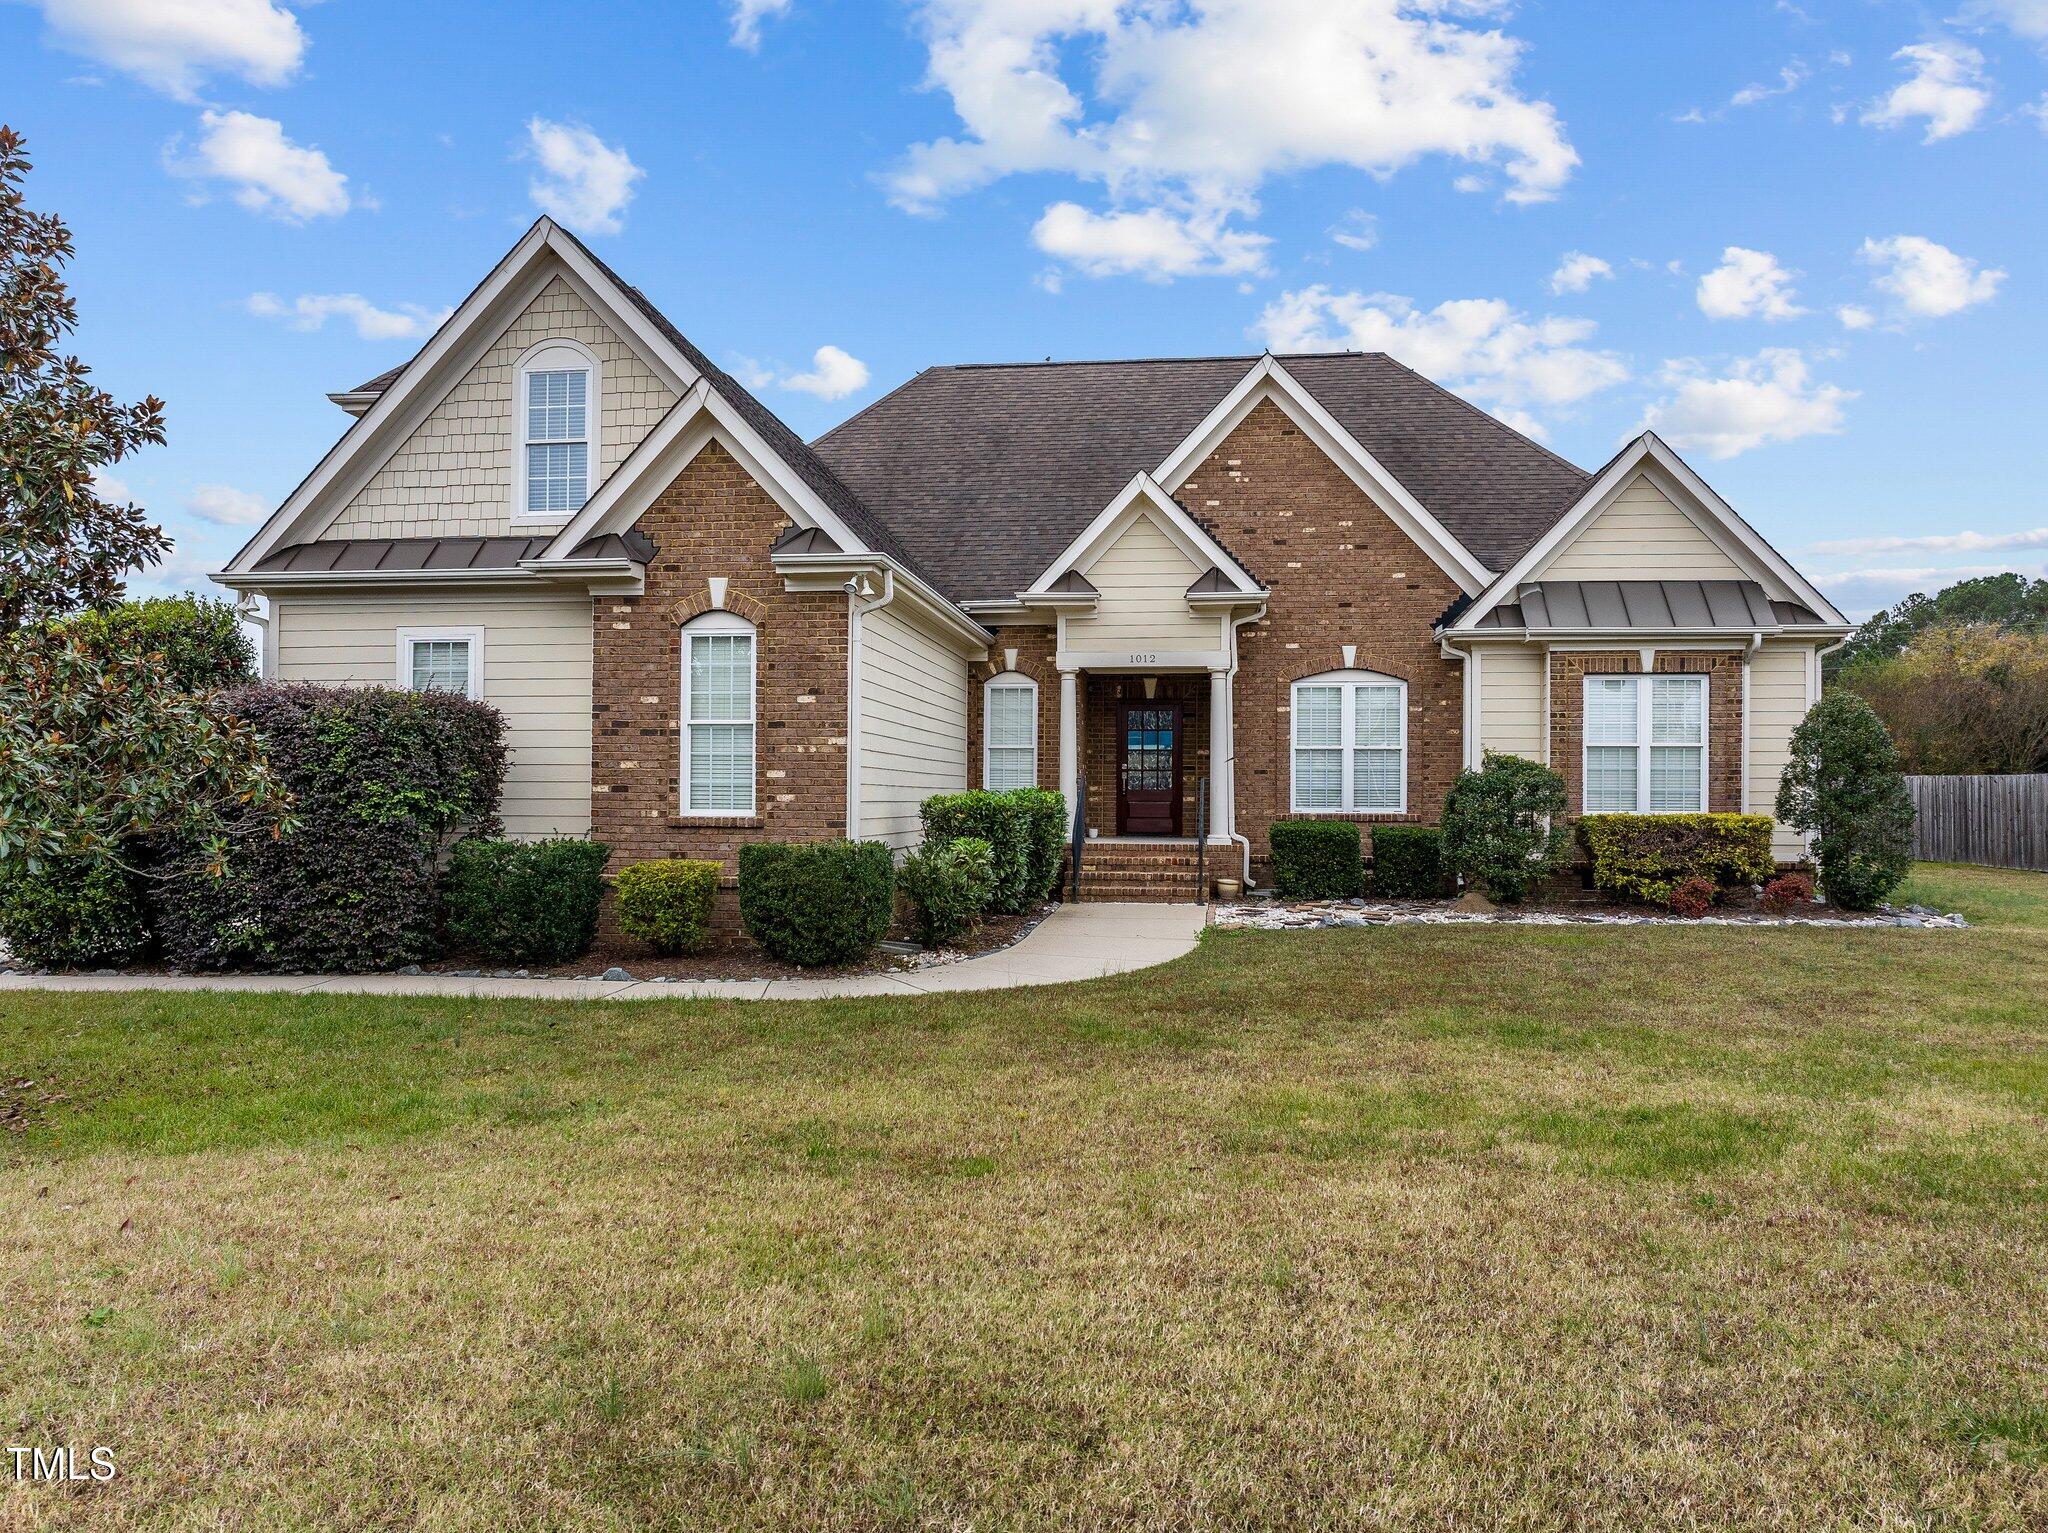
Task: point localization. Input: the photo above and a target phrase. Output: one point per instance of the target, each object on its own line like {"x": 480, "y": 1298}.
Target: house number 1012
{"x": 1144, "y": 659}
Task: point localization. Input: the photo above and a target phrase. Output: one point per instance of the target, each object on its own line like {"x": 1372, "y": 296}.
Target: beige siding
{"x": 1142, "y": 579}
{"x": 1642, "y": 536}
{"x": 1779, "y": 695}
{"x": 914, "y": 696}
{"x": 453, "y": 477}
{"x": 536, "y": 670}
{"x": 1511, "y": 701}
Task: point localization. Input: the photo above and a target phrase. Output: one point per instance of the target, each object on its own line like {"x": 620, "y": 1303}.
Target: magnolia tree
{"x": 95, "y": 749}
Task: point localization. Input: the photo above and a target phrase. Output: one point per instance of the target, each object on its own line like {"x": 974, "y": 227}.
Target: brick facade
{"x": 715, "y": 521}
{"x": 1724, "y": 714}
{"x": 1099, "y": 741}
{"x": 1341, "y": 572}
{"x": 1035, "y": 658}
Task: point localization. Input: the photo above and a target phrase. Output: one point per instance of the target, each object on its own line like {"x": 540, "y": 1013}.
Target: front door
{"x": 1148, "y": 769}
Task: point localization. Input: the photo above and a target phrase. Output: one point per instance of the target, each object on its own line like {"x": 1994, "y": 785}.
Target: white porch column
{"x": 1222, "y": 754}
{"x": 1070, "y": 737}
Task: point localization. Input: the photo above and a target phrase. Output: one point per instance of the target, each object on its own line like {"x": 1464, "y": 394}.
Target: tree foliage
{"x": 2005, "y": 601}
{"x": 1963, "y": 698}
{"x": 63, "y": 545}
{"x": 197, "y": 644}
{"x": 1843, "y": 786}
{"x": 1504, "y": 825}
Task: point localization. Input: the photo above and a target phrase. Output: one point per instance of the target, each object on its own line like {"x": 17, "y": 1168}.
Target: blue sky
{"x": 1805, "y": 241}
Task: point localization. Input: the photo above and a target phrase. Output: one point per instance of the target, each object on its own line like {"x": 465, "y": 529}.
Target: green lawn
{"x": 1411, "y": 1228}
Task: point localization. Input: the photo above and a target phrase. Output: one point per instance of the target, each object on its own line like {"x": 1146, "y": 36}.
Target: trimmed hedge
{"x": 1407, "y": 862}
{"x": 1045, "y": 814}
{"x": 72, "y": 913}
{"x": 817, "y": 903}
{"x": 1503, "y": 825}
{"x": 1316, "y": 859}
{"x": 1002, "y": 820}
{"x": 382, "y": 780}
{"x": 667, "y": 902}
{"x": 525, "y": 901}
{"x": 948, "y": 885}
{"x": 1646, "y": 856}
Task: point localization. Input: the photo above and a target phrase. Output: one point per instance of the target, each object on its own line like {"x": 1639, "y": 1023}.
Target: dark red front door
{"x": 1148, "y": 769}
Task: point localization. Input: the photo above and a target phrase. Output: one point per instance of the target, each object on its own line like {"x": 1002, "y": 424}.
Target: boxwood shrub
{"x": 383, "y": 781}
{"x": 1004, "y": 821}
{"x": 1408, "y": 862}
{"x": 948, "y": 885}
{"x": 667, "y": 902}
{"x": 71, "y": 913}
{"x": 1503, "y": 825}
{"x": 1316, "y": 859}
{"x": 525, "y": 901}
{"x": 818, "y": 902}
{"x": 1646, "y": 856}
{"x": 1046, "y": 828}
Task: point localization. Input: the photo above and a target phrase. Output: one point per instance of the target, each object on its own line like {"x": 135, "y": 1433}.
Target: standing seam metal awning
{"x": 1624, "y": 605}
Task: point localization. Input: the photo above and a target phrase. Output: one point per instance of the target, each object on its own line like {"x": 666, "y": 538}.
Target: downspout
{"x": 1756, "y": 642}
{"x": 1230, "y": 766}
{"x": 856, "y": 608}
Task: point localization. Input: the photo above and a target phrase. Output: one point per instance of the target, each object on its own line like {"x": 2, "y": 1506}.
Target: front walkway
{"x": 1074, "y": 942}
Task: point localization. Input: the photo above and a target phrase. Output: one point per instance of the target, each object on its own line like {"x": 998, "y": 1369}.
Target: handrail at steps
{"x": 1080, "y": 835}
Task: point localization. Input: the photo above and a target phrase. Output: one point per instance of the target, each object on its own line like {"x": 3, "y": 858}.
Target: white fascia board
{"x": 463, "y": 338}
{"x": 823, "y": 572}
{"x": 1648, "y": 453}
{"x": 364, "y": 580}
{"x": 1269, "y": 380}
{"x": 1143, "y": 493}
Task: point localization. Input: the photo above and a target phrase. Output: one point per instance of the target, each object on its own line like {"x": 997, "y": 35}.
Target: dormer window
{"x": 555, "y": 422}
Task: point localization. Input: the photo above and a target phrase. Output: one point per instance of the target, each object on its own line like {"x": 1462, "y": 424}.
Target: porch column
{"x": 1070, "y": 737}
{"x": 1222, "y": 754}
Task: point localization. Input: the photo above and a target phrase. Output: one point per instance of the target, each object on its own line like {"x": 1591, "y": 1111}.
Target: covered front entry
{"x": 1148, "y": 772}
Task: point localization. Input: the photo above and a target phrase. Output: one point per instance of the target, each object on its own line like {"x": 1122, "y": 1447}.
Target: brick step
{"x": 1142, "y": 864}
{"x": 1176, "y": 892}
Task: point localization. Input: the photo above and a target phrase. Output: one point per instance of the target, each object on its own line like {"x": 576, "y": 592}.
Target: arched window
{"x": 556, "y": 413}
{"x": 1350, "y": 743}
{"x": 1009, "y": 732}
{"x": 718, "y": 715}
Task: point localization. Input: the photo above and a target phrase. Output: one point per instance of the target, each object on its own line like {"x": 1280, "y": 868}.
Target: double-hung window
{"x": 555, "y": 415}
{"x": 1009, "y": 732}
{"x": 718, "y": 716}
{"x": 441, "y": 660}
{"x": 1350, "y": 744}
{"x": 1646, "y": 745}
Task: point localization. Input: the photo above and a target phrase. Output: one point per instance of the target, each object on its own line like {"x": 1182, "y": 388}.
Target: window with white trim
{"x": 555, "y": 412}
{"x": 1350, "y": 744}
{"x": 1009, "y": 732}
{"x": 718, "y": 715}
{"x": 1646, "y": 745}
{"x": 441, "y": 660}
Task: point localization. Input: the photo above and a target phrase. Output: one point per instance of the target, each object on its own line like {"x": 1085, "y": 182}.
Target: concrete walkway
{"x": 1075, "y": 942}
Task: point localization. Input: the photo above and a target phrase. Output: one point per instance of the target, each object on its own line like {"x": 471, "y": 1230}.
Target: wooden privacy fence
{"x": 2000, "y": 821}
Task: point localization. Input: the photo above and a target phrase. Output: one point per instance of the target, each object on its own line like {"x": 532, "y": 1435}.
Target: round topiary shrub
{"x": 948, "y": 885}
{"x": 1843, "y": 786}
{"x": 1316, "y": 859}
{"x": 815, "y": 903}
{"x": 1503, "y": 825}
{"x": 72, "y": 913}
{"x": 667, "y": 902}
{"x": 525, "y": 901}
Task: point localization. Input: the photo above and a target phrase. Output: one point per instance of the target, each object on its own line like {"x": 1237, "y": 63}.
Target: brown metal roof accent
{"x": 632, "y": 544}
{"x": 805, "y": 540}
{"x": 352, "y": 556}
{"x": 1627, "y": 605}
{"x": 1213, "y": 582}
{"x": 1073, "y": 583}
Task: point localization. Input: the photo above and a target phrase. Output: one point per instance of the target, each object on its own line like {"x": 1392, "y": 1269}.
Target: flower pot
{"x": 1226, "y": 888}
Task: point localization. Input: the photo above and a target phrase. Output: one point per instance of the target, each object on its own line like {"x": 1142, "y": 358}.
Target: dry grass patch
{"x": 1406, "y": 1228}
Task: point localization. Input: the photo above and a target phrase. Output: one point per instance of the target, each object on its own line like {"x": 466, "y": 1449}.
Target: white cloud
{"x": 1939, "y": 542}
{"x": 111, "y": 487}
{"x": 269, "y": 173}
{"x": 174, "y": 45}
{"x": 747, "y": 16}
{"x": 1482, "y": 347}
{"x": 311, "y": 311}
{"x": 583, "y": 182}
{"x": 2039, "y": 112}
{"x": 2029, "y": 18}
{"x": 1929, "y": 281}
{"x": 1769, "y": 397}
{"x": 226, "y": 507}
{"x": 1863, "y": 591}
{"x": 1790, "y": 78}
{"x": 1577, "y": 271}
{"x": 1359, "y": 230}
{"x": 1945, "y": 85}
{"x": 833, "y": 375}
{"x": 1152, "y": 243}
{"x": 1191, "y": 109}
{"x": 1855, "y": 317}
{"x": 1748, "y": 284}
